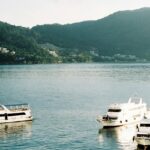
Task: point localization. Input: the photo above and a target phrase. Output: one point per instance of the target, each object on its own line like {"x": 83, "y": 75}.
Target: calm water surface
{"x": 65, "y": 101}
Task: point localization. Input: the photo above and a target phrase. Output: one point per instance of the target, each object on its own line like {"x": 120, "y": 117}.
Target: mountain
{"x": 121, "y": 36}
{"x": 124, "y": 32}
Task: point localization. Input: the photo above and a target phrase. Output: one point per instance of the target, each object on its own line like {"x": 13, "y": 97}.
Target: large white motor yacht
{"x": 15, "y": 113}
{"x": 124, "y": 113}
{"x": 143, "y": 134}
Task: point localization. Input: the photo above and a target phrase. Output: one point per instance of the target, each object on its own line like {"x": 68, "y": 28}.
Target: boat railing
{"x": 16, "y": 107}
{"x": 137, "y": 100}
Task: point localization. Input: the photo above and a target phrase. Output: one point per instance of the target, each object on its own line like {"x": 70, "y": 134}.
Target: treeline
{"x": 23, "y": 42}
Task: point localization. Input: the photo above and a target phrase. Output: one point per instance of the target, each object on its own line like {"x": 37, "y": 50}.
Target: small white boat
{"x": 15, "y": 113}
{"x": 124, "y": 113}
{"x": 143, "y": 134}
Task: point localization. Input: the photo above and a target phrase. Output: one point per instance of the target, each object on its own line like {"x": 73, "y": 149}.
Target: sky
{"x": 29, "y": 13}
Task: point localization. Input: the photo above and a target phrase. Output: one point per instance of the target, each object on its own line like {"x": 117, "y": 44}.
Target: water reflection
{"x": 122, "y": 136}
{"x": 21, "y": 129}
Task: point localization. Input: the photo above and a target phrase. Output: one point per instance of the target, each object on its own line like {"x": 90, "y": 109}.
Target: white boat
{"x": 143, "y": 134}
{"x": 15, "y": 113}
{"x": 124, "y": 113}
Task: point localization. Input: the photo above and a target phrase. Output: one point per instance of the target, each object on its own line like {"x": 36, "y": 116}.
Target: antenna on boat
{"x": 130, "y": 100}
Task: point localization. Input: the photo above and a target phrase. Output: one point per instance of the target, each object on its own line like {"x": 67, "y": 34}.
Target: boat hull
{"x": 142, "y": 141}
{"x": 16, "y": 120}
{"x": 15, "y": 116}
{"x": 116, "y": 123}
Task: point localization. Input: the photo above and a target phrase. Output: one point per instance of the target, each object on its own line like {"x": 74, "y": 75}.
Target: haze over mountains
{"x": 122, "y": 36}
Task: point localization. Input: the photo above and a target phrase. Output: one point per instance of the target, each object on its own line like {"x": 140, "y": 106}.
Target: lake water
{"x": 66, "y": 100}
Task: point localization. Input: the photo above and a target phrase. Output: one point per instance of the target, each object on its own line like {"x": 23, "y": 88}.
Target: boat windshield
{"x": 144, "y": 125}
{"x": 114, "y": 110}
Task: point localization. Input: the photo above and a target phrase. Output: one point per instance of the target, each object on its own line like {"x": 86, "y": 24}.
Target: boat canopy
{"x": 17, "y": 106}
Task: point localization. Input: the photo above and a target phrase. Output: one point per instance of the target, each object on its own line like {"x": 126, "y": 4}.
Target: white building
{"x": 53, "y": 53}
{"x": 4, "y": 50}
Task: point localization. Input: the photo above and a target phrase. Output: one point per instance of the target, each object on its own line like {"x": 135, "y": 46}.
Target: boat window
{"x": 16, "y": 114}
{"x": 143, "y": 135}
{"x": 144, "y": 125}
{"x": 13, "y": 114}
{"x": 113, "y": 118}
{"x": 114, "y": 110}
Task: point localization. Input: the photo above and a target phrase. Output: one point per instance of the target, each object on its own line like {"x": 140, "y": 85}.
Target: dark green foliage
{"x": 23, "y": 42}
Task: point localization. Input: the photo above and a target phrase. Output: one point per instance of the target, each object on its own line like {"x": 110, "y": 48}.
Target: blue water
{"x": 66, "y": 100}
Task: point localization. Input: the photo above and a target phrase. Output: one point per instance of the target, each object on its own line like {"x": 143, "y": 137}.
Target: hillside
{"x": 124, "y": 32}
{"x": 19, "y": 45}
{"x": 122, "y": 36}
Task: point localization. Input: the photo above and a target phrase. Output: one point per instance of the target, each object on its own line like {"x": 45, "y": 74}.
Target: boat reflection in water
{"x": 21, "y": 129}
{"x": 121, "y": 137}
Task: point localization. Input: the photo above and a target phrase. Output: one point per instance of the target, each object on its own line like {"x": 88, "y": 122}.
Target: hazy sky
{"x": 32, "y": 12}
